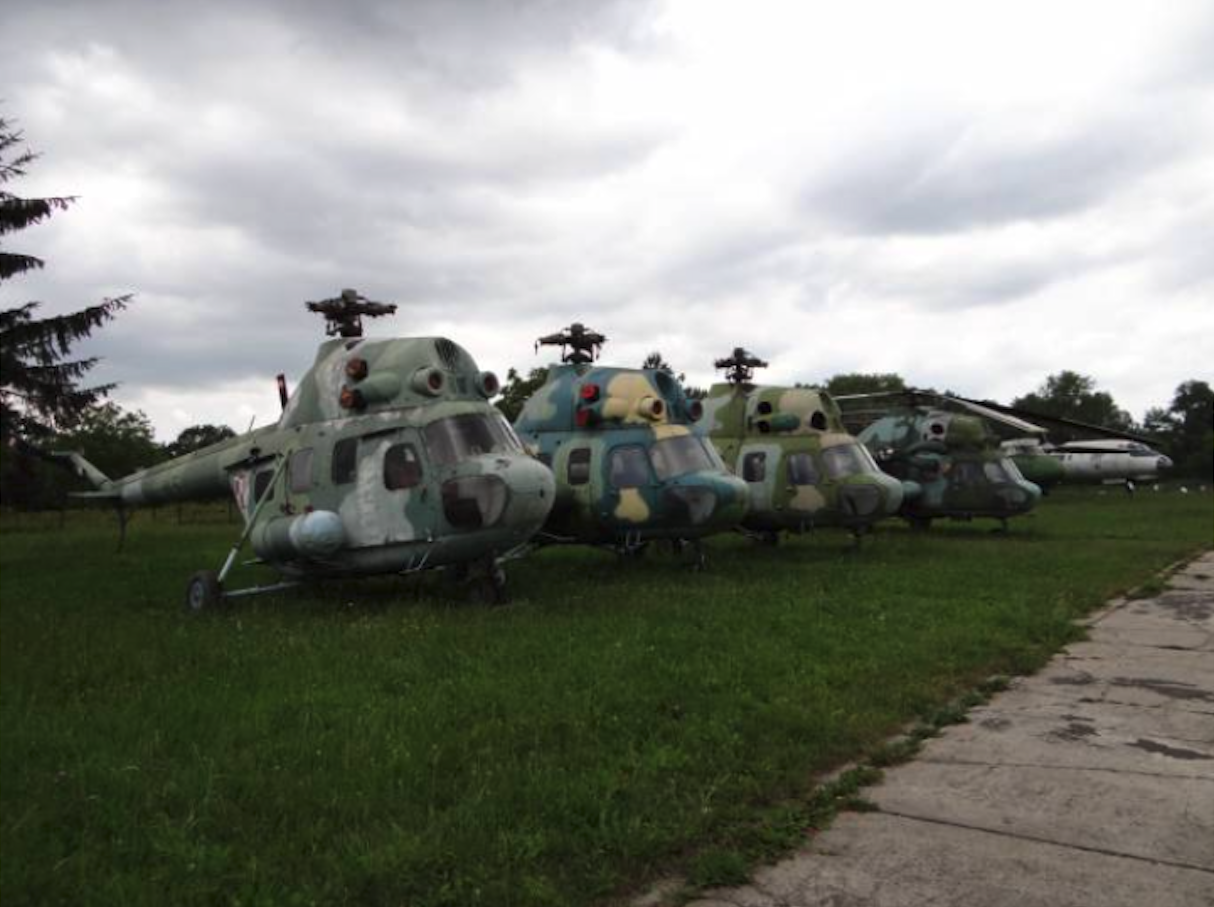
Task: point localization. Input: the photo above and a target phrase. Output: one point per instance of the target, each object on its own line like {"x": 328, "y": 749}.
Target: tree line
{"x": 46, "y": 403}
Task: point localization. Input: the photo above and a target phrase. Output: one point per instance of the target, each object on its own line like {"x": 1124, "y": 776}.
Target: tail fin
{"x": 89, "y": 472}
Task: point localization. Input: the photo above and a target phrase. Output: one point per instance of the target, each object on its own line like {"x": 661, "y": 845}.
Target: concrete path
{"x": 1091, "y": 783}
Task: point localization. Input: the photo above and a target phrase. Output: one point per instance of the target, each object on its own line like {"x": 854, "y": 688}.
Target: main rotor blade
{"x": 1098, "y": 430}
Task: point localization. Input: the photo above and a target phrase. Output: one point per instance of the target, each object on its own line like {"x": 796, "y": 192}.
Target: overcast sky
{"x": 974, "y": 195}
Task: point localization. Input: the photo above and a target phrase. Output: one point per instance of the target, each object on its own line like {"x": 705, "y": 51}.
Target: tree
{"x": 1070, "y": 395}
{"x": 517, "y": 390}
{"x": 40, "y": 388}
{"x": 196, "y": 437}
{"x": 115, "y": 441}
{"x": 1185, "y": 430}
{"x": 863, "y": 383}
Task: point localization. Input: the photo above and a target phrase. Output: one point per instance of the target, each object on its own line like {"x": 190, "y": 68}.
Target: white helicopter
{"x": 1101, "y": 461}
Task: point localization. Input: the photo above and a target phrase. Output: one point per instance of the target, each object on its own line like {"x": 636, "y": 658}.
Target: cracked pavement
{"x": 1089, "y": 783}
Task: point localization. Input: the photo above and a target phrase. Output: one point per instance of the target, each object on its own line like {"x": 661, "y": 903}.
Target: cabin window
{"x": 754, "y": 466}
{"x": 344, "y": 467}
{"x": 629, "y": 467}
{"x": 262, "y": 486}
{"x": 578, "y": 468}
{"x": 818, "y": 420}
{"x": 299, "y": 471}
{"x": 402, "y": 467}
{"x": 801, "y": 469}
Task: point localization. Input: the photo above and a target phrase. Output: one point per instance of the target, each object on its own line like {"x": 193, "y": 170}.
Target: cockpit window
{"x": 678, "y": 456}
{"x": 847, "y": 460}
{"x": 1010, "y": 467}
{"x": 471, "y": 434}
{"x": 996, "y": 471}
{"x": 402, "y": 468}
{"x": 629, "y": 467}
{"x": 801, "y": 469}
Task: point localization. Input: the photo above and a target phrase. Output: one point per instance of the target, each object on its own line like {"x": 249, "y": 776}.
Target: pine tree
{"x": 40, "y": 388}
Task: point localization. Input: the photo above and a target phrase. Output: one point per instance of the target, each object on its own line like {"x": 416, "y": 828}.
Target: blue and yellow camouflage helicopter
{"x": 387, "y": 459}
{"x": 629, "y": 468}
{"x": 801, "y": 467}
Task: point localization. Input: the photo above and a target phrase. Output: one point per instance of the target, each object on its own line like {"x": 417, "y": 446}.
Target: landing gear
{"x": 769, "y": 537}
{"x": 486, "y": 583}
{"x": 204, "y": 592}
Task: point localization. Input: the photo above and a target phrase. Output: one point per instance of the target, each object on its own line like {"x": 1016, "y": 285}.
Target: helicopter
{"x": 945, "y": 446}
{"x": 800, "y": 465}
{"x": 629, "y": 468}
{"x": 1112, "y": 457}
{"x": 387, "y": 459}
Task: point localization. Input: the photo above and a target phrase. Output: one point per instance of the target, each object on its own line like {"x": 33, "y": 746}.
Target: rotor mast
{"x": 343, "y": 313}
{"x": 583, "y": 343}
{"x": 740, "y": 366}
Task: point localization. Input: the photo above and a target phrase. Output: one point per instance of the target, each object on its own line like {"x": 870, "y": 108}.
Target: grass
{"x": 381, "y": 743}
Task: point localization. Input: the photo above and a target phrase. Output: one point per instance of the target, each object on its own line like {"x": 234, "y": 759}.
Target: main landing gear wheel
{"x": 204, "y": 593}
{"x": 486, "y": 584}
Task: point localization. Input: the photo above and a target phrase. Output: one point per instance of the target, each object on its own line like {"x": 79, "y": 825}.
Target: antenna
{"x": 343, "y": 313}
{"x": 740, "y": 366}
{"x": 583, "y": 342}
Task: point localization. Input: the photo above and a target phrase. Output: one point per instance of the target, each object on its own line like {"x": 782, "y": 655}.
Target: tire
{"x": 203, "y": 592}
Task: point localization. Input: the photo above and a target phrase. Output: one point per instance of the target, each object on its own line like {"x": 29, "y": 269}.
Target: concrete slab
{"x": 1088, "y": 741}
{"x": 1161, "y": 818}
{"x": 1091, "y": 783}
{"x": 1056, "y": 715}
{"x": 876, "y": 860}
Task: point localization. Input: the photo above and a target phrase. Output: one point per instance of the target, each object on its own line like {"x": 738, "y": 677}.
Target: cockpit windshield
{"x": 996, "y": 471}
{"x": 678, "y": 456}
{"x": 471, "y": 434}
{"x": 848, "y": 460}
{"x": 1012, "y": 469}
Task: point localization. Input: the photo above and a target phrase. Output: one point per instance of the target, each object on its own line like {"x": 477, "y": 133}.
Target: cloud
{"x": 867, "y": 186}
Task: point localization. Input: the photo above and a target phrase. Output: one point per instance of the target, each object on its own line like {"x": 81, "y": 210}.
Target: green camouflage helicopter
{"x": 945, "y": 446}
{"x": 388, "y": 458}
{"x": 802, "y": 468}
{"x": 629, "y": 468}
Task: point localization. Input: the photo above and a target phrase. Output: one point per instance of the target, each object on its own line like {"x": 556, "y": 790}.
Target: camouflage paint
{"x": 955, "y": 461}
{"x": 586, "y": 418}
{"x": 383, "y": 529}
{"x": 776, "y": 426}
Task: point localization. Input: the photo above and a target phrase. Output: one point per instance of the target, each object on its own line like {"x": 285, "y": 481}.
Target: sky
{"x": 972, "y": 195}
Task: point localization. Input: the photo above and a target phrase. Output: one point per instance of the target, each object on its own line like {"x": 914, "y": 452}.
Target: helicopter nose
{"x": 895, "y": 492}
{"x": 1163, "y": 463}
{"x": 709, "y": 502}
{"x": 1019, "y": 497}
{"x": 532, "y": 492}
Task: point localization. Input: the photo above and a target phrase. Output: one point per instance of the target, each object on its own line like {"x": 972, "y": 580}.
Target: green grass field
{"x": 384, "y": 743}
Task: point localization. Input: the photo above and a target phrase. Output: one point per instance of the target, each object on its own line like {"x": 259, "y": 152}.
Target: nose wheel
{"x": 485, "y": 582}
{"x": 204, "y": 592}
